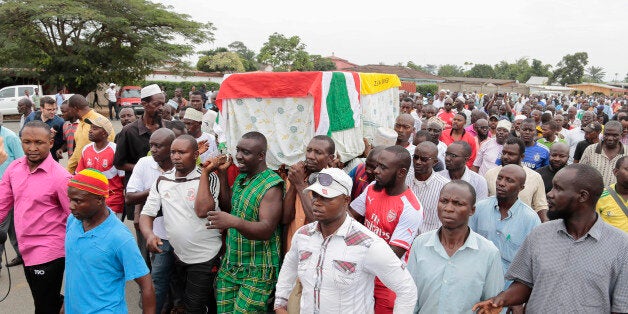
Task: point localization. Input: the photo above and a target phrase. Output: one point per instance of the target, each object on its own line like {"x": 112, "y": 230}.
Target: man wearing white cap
{"x": 113, "y": 104}
{"x": 132, "y": 143}
{"x": 193, "y": 120}
{"x": 336, "y": 258}
{"x": 491, "y": 150}
{"x": 439, "y": 100}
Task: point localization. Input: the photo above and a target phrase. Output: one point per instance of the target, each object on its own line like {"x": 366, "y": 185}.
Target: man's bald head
{"x": 517, "y": 172}
{"x": 427, "y": 148}
{"x": 78, "y": 102}
{"x": 405, "y": 118}
{"x": 163, "y": 136}
{"x": 27, "y": 103}
{"x": 560, "y": 147}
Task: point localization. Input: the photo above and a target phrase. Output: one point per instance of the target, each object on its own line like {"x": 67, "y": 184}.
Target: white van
{"x": 10, "y": 95}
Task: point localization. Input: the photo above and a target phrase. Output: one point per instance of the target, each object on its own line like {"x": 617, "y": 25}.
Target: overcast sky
{"x": 428, "y": 32}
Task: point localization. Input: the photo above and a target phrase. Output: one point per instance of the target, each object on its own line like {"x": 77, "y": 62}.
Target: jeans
{"x": 198, "y": 294}
{"x": 162, "y": 269}
{"x": 45, "y": 280}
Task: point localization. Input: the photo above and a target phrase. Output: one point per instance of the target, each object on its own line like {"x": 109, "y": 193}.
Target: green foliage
{"x": 430, "y": 68}
{"x": 186, "y": 86}
{"x": 322, "y": 64}
{"x": 221, "y": 62}
{"x": 247, "y": 56}
{"x": 414, "y": 66}
{"x": 594, "y": 74}
{"x": 481, "y": 70}
{"x": 570, "y": 69}
{"x": 213, "y": 52}
{"x": 79, "y": 43}
{"x": 427, "y": 88}
{"x": 283, "y": 53}
{"x": 450, "y": 70}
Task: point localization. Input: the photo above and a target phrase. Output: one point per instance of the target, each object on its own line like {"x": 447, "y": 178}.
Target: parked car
{"x": 10, "y": 95}
{"x": 130, "y": 97}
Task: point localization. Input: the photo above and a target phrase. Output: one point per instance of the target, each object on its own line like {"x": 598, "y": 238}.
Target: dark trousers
{"x": 7, "y": 228}
{"x": 198, "y": 294}
{"x": 45, "y": 281}
{"x": 116, "y": 108}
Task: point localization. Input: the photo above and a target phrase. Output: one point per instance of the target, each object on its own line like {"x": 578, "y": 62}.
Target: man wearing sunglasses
{"x": 391, "y": 210}
{"x": 297, "y": 204}
{"x": 336, "y": 258}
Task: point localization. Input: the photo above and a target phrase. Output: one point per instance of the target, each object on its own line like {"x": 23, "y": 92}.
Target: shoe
{"x": 16, "y": 261}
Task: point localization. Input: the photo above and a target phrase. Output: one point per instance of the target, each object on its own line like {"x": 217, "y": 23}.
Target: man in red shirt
{"x": 99, "y": 155}
{"x": 391, "y": 210}
{"x": 446, "y": 114}
{"x": 457, "y": 133}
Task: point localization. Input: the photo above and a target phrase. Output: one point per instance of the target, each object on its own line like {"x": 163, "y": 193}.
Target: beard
{"x": 556, "y": 214}
{"x": 380, "y": 186}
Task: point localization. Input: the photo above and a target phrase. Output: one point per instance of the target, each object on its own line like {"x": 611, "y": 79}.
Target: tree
{"x": 282, "y": 53}
{"x": 247, "y": 55}
{"x": 213, "y": 52}
{"x": 570, "y": 69}
{"x": 626, "y": 78}
{"x": 430, "y": 68}
{"x": 221, "y": 62}
{"x": 322, "y": 64}
{"x": 450, "y": 70}
{"x": 80, "y": 43}
{"x": 539, "y": 69}
{"x": 481, "y": 70}
{"x": 595, "y": 74}
{"x": 414, "y": 66}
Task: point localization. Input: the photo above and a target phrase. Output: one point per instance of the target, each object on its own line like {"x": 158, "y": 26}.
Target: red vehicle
{"x": 130, "y": 97}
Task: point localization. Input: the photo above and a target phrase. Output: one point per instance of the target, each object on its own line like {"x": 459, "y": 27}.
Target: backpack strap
{"x": 618, "y": 200}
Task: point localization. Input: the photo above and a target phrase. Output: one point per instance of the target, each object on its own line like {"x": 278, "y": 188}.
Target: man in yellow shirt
{"x": 612, "y": 205}
{"x": 79, "y": 108}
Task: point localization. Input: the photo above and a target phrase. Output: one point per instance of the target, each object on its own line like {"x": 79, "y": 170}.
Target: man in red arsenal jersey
{"x": 391, "y": 210}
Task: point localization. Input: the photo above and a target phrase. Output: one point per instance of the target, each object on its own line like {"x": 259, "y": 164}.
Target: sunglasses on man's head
{"x": 323, "y": 178}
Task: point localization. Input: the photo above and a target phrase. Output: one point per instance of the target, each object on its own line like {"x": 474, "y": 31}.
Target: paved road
{"x": 20, "y": 300}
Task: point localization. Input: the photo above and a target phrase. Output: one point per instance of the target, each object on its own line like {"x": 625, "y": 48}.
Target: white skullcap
{"x": 193, "y": 115}
{"x": 150, "y": 90}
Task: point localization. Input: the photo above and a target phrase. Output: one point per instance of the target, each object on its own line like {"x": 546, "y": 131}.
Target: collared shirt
{"x": 488, "y": 155}
{"x": 145, "y": 173}
{"x": 41, "y": 208}
{"x": 477, "y": 181}
{"x": 507, "y": 234}
{"x": 595, "y": 157}
{"x": 574, "y": 136}
{"x": 447, "y": 138}
{"x": 442, "y": 149}
{"x": 98, "y": 264}
{"x": 12, "y": 146}
{"x": 133, "y": 144}
{"x": 81, "y": 138}
{"x": 567, "y": 275}
{"x": 428, "y": 192}
{"x": 453, "y": 284}
{"x": 338, "y": 272}
{"x": 610, "y": 211}
{"x": 533, "y": 193}
{"x": 192, "y": 242}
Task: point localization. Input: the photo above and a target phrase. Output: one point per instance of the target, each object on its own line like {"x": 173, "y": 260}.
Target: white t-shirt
{"x": 111, "y": 94}
{"x": 192, "y": 241}
{"x": 145, "y": 173}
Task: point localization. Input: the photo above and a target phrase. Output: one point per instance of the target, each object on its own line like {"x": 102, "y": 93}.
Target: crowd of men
{"x": 484, "y": 202}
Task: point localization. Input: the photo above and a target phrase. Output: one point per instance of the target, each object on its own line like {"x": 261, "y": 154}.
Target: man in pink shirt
{"x": 36, "y": 187}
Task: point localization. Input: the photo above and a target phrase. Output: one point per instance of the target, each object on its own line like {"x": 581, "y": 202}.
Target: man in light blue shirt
{"x": 13, "y": 149}
{"x": 504, "y": 219}
{"x": 454, "y": 267}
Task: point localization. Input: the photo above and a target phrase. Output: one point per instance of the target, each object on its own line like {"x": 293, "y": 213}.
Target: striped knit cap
{"x": 92, "y": 181}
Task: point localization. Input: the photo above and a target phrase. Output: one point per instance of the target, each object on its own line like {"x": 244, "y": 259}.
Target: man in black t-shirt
{"x": 591, "y": 136}
{"x": 559, "y": 156}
